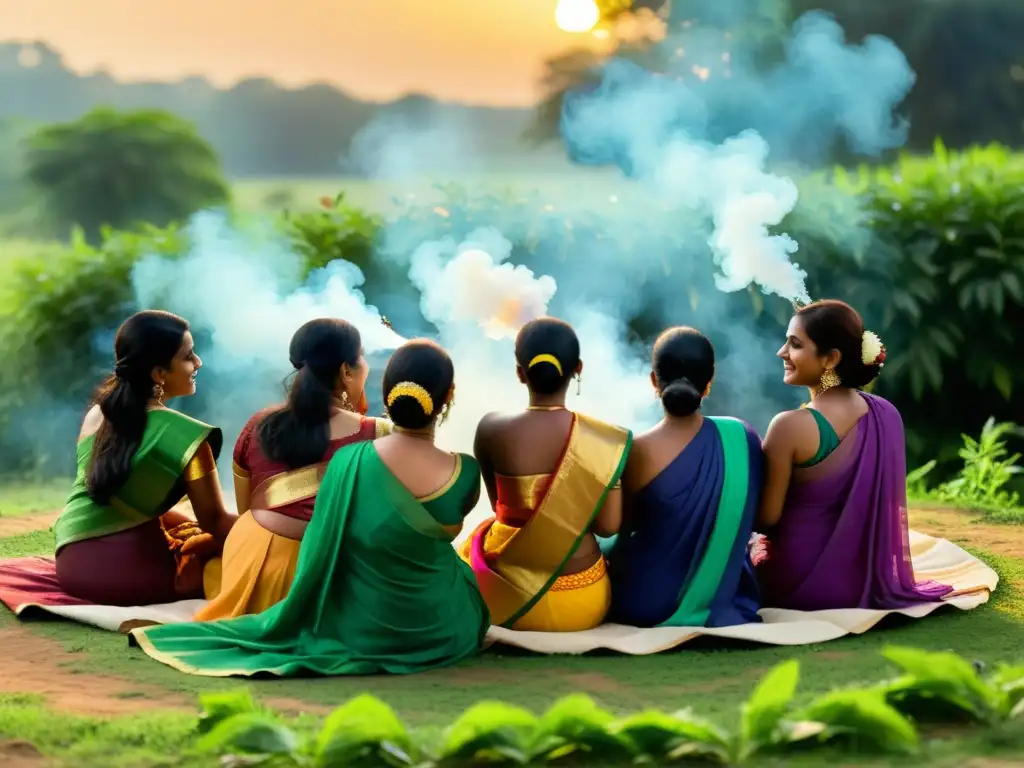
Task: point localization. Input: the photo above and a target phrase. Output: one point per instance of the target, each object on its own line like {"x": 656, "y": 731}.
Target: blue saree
{"x": 682, "y": 557}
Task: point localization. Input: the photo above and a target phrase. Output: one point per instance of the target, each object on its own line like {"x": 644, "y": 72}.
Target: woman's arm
{"x": 609, "y": 519}
{"x": 779, "y": 449}
{"x": 240, "y": 468}
{"x": 481, "y": 451}
{"x": 203, "y": 488}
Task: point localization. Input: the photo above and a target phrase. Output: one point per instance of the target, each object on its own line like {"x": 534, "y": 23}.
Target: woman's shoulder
{"x": 179, "y": 419}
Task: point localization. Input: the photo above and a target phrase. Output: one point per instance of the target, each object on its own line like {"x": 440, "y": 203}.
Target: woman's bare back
{"x": 529, "y": 443}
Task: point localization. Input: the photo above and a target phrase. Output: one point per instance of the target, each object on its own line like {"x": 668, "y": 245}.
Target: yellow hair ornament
{"x": 413, "y": 390}
{"x": 546, "y": 359}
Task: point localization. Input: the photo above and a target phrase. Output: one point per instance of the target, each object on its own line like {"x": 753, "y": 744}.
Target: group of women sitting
{"x": 341, "y": 558}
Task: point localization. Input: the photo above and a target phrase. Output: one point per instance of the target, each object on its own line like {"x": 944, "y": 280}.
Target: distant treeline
{"x": 258, "y": 127}
{"x": 968, "y": 56}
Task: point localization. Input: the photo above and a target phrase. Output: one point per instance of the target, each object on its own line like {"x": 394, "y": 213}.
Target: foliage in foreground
{"x": 931, "y": 687}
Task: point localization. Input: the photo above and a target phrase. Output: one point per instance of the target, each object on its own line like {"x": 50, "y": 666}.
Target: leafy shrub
{"x": 930, "y": 250}
{"x": 988, "y": 469}
{"x": 878, "y": 718}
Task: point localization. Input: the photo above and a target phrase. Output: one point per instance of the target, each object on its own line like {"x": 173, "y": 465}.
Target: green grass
{"x": 27, "y": 497}
{"x": 712, "y": 677}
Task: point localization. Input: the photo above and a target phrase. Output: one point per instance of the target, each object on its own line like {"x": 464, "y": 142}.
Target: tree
{"x": 123, "y": 168}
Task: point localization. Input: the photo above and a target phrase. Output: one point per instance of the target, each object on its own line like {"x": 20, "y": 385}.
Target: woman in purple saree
{"x": 834, "y": 505}
{"x": 692, "y": 485}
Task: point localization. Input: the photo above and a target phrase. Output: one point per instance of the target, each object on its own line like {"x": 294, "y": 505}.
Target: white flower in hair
{"x": 872, "y": 351}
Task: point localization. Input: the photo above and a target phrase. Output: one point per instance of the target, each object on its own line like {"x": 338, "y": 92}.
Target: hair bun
{"x": 680, "y": 397}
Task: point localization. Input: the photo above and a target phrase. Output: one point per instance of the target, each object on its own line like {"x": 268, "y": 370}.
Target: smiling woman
{"x": 118, "y": 541}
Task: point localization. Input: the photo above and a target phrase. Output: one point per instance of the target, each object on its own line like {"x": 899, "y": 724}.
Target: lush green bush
{"x": 881, "y": 718}
{"x": 984, "y": 481}
{"x": 120, "y": 169}
{"x": 931, "y": 251}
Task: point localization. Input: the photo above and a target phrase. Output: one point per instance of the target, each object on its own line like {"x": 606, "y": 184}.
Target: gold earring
{"x": 829, "y": 380}
{"x": 579, "y": 383}
{"x": 445, "y": 411}
{"x": 158, "y": 393}
{"x": 707, "y": 390}
{"x": 344, "y": 401}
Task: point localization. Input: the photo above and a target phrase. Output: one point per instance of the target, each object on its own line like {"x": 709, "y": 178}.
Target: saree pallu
{"x": 519, "y": 569}
{"x": 136, "y": 550}
{"x": 842, "y": 540}
{"x": 683, "y": 559}
{"x": 378, "y": 589}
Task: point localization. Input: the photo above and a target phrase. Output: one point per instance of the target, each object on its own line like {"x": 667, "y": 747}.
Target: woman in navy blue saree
{"x": 692, "y": 486}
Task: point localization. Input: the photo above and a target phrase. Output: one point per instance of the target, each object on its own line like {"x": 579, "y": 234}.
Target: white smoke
{"x": 744, "y": 201}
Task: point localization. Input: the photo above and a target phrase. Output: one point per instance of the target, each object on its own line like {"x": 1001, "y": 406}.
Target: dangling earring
{"x": 344, "y": 401}
{"x": 158, "y": 393}
{"x": 446, "y": 410}
{"x": 829, "y": 380}
{"x": 579, "y": 383}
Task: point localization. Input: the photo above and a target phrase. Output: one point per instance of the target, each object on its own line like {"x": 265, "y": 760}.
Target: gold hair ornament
{"x": 413, "y": 390}
{"x": 546, "y": 358}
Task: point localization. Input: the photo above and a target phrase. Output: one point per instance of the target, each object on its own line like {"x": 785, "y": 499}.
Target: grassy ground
{"x": 76, "y": 692}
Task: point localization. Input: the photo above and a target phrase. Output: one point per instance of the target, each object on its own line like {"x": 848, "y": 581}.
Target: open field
{"x": 74, "y": 691}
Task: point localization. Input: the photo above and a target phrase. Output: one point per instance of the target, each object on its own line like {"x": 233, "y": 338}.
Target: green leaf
{"x": 861, "y": 716}
{"x": 220, "y": 705}
{"x": 363, "y": 729}
{"x": 576, "y": 723}
{"x": 940, "y": 677}
{"x": 768, "y": 704}
{"x": 655, "y": 735}
{"x": 1002, "y": 379}
{"x": 252, "y": 733}
{"x": 490, "y": 730}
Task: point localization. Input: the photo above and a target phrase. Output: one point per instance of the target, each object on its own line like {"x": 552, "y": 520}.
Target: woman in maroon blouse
{"x": 279, "y": 460}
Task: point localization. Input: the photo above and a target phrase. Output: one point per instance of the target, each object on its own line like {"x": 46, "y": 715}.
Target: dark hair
{"x": 683, "y": 362}
{"x": 422, "y": 362}
{"x": 298, "y": 432}
{"x": 832, "y": 324}
{"x": 145, "y": 341}
{"x": 547, "y": 336}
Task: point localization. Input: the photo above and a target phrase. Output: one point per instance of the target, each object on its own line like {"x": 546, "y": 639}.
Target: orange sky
{"x": 484, "y": 51}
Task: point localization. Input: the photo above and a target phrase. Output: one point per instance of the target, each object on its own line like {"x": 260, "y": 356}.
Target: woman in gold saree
{"x": 279, "y": 461}
{"x": 553, "y": 478}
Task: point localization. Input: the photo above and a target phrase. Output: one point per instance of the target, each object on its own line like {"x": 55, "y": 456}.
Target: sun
{"x": 577, "y": 15}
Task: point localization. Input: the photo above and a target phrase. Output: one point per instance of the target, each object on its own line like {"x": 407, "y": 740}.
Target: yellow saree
{"x": 519, "y": 569}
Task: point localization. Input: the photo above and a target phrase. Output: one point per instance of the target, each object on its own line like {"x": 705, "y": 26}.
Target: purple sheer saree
{"x": 842, "y": 541}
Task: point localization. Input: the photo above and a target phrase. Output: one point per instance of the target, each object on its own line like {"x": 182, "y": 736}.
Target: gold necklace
{"x": 546, "y": 408}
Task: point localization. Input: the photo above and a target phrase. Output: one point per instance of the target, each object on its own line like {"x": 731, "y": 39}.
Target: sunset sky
{"x": 482, "y": 51}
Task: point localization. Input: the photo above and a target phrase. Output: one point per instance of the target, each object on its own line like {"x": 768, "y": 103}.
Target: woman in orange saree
{"x": 279, "y": 461}
{"x": 553, "y": 478}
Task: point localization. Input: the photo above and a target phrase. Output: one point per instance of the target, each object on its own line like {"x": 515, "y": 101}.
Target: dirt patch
{"x": 16, "y": 526}
{"x": 31, "y": 664}
{"x": 595, "y": 682}
{"x": 965, "y": 528}
{"x": 20, "y": 754}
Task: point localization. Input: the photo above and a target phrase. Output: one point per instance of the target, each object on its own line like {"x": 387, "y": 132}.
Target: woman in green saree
{"x": 378, "y": 587}
{"x": 118, "y": 542}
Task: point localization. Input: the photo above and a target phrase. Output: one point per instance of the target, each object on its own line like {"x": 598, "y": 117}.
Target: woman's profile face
{"x": 353, "y": 383}
{"x": 802, "y": 366}
{"x": 179, "y": 380}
